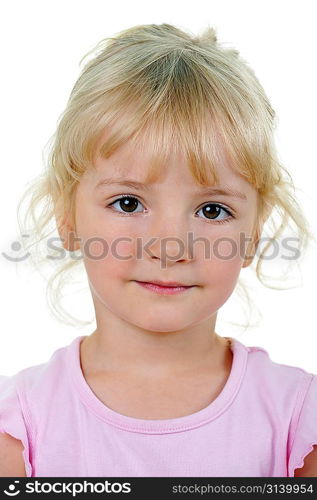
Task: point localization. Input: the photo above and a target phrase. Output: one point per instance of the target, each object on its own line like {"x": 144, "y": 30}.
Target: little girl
{"x": 180, "y": 128}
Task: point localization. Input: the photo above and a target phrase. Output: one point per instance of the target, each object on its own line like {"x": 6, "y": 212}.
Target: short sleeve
{"x": 12, "y": 418}
{"x": 305, "y": 436}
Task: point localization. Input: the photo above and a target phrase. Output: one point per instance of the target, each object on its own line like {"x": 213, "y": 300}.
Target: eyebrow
{"x": 147, "y": 187}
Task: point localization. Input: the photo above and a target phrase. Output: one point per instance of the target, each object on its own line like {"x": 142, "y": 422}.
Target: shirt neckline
{"x": 158, "y": 426}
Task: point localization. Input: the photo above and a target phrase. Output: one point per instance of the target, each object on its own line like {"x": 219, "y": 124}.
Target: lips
{"x": 166, "y": 283}
{"x": 166, "y": 289}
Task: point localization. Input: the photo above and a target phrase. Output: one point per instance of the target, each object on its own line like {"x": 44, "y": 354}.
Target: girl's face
{"x": 169, "y": 231}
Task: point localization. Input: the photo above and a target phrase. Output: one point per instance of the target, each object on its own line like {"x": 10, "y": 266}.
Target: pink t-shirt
{"x": 262, "y": 424}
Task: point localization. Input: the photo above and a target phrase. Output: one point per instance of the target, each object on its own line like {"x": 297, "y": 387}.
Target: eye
{"x": 128, "y": 204}
{"x": 212, "y": 210}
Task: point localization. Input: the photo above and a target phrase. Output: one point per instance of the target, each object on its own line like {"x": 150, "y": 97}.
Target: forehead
{"x": 131, "y": 162}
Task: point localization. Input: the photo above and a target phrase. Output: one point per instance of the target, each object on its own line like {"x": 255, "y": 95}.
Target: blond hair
{"x": 166, "y": 90}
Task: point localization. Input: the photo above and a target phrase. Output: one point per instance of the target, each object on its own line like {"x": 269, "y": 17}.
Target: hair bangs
{"x": 191, "y": 111}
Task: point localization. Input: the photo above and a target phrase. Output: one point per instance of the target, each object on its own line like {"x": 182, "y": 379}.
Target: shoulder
{"x": 303, "y": 437}
{"x": 35, "y": 377}
{"x": 31, "y": 379}
{"x": 281, "y": 387}
{"x": 281, "y": 377}
{"x": 31, "y": 390}
{"x": 291, "y": 393}
{"x": 25, "y": 399}
{"x": 14, "y": 430}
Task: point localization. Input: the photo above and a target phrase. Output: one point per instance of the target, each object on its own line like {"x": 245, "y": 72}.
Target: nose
{"x": 168, "y": 241}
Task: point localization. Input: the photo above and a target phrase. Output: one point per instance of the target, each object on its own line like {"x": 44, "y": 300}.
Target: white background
{"x": 42, "y": 43}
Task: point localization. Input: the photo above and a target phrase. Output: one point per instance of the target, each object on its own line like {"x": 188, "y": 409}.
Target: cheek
{"x": 122, "y": 248}
{"x": 224, "y": 264}
{"x": 103, "y": 241}
{"x": 220, "y": 249}
{"x": 225, "y": 249}
{"x": 108, "y": 258}
{"x": 220, "y": 276}
{"x": 110, "y": 250}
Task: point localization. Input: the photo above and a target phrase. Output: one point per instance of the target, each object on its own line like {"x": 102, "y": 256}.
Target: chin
{"x": 156, "y": 324}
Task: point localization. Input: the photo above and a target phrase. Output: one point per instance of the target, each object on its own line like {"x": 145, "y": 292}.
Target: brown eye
{"x": 127, "y": 204}
{"x": 212, "y": 211}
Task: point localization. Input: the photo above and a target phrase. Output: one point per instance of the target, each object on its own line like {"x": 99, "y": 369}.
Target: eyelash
{"x": 223, "y": 221}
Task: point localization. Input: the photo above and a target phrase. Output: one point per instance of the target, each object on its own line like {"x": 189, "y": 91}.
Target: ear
{"x": 252, "y": 246}
{"x": 66, "y": 229}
